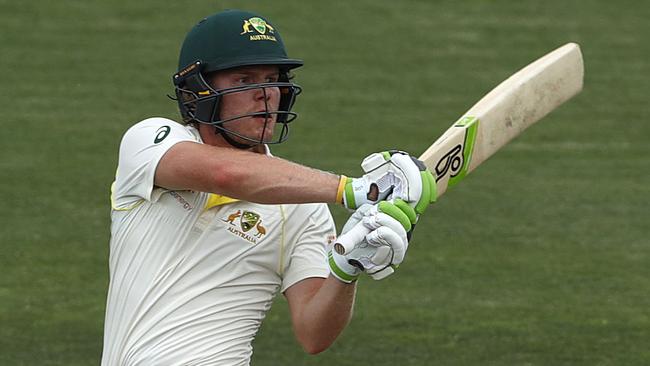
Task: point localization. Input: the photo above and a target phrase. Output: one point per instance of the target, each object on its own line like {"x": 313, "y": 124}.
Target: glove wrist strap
{"x": 340, "y": 273}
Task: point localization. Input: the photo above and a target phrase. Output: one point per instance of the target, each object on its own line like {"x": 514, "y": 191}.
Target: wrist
{"x": 340, "y": 192}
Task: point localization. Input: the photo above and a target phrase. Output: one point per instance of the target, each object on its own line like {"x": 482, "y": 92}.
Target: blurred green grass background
{"x": 540, "y": 257}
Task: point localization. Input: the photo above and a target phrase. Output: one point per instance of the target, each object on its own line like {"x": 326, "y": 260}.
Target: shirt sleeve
{"x": 142, "y": 147}
{"x": 309, "y": 255}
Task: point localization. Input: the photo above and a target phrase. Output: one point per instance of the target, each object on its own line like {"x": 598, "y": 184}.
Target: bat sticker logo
{"x": 453, "y": 159}
{"x": 457, "y": 160}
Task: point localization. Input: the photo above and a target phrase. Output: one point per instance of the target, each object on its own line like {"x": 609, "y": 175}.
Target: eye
{"x": 272, "y": 79}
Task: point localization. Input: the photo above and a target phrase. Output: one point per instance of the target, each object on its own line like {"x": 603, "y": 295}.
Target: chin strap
{"x": 219, "y": 130}
{"x": 230, "y": 140}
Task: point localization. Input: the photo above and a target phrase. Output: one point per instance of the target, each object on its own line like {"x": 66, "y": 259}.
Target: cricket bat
{"x": 503, "y": 114}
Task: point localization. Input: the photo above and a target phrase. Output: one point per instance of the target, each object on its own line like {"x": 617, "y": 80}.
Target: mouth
{"x": 263, "y": 115}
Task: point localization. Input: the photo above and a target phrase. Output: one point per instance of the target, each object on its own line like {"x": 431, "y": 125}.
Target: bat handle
{"x": 345, "y": 243}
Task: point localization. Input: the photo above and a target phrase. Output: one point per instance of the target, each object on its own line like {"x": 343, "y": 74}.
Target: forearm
{"x": 243, "y": 175}
{"x": 325, "y": 315}
{"x": 274, "y": 180}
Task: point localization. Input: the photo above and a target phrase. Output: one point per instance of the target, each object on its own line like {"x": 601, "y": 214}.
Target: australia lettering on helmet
{"x": 260, "y": 26}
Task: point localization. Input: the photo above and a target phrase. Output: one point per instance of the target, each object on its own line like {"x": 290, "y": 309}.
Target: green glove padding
{"x": 429, "y": 192}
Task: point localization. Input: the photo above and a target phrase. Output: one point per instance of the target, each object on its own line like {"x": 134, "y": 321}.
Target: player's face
{"x": 249, "y": 101}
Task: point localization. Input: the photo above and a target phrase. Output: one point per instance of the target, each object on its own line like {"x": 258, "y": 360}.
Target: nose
{"x": 267, "y": 93}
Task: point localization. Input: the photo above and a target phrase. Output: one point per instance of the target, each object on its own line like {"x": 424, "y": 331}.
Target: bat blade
{"x": 504, "y": 113}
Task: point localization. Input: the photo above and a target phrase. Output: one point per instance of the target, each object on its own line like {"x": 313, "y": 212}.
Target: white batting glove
{"x": 380, "y": 250}
{"x": 339, "y": 266}
{"x": 391, "y": 175}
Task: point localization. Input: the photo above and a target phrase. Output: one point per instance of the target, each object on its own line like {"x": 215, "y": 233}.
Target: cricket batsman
{"x": 207, "y": 226}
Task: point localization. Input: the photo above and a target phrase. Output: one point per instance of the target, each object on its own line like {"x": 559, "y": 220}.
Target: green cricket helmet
{"x": 227, "y": 40}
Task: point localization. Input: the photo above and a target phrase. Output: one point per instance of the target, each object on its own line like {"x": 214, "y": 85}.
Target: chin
{"x": 268, "y": 136}
{"x": 258, "y": 137}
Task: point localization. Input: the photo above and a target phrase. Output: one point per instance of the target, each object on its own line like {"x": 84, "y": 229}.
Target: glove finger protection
{"x": 354, "y": 231}
{"x": 417, "y": 195}
{"x": 409, "y": 187}
{"x": 375, "y": 243}
{"x": 390, "y": 175}
{"x": 390, "y": 248}
{"x": 389, "y": 232}
{"x": 339, "y": 264}
{"x": 356, "y": 217}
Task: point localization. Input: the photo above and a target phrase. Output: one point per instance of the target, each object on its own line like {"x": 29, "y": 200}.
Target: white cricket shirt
{"x": 193, "y": 274}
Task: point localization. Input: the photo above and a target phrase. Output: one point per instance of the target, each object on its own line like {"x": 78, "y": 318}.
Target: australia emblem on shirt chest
{"x": 246, "y": 225}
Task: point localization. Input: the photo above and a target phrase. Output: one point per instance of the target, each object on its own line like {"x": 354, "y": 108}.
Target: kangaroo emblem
{"x": 246, "y": 27}
{"x": 261, "y": 230}
{"x": 231, "y": 218}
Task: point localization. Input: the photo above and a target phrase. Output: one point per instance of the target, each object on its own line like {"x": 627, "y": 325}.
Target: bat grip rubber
{"x": 346, "y": 242}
